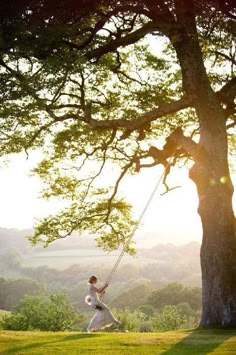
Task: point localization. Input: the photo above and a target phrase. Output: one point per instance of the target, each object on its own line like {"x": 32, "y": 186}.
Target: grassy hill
{"x": 196, "y": 342}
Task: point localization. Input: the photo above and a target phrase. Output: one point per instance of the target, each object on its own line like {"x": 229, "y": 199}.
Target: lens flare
{"x": 223, "y": 179}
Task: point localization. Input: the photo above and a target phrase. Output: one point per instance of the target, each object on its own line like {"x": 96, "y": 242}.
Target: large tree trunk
{"x": 218, "y": 255}
{"x": 218, "y": 250}
{"x": 211, "y": 176}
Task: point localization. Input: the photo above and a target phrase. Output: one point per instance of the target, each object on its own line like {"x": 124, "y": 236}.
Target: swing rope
{"x": 139, "y": 221}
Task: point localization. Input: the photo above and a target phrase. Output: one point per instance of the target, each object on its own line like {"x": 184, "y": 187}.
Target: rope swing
{"x": 110, "y": 276}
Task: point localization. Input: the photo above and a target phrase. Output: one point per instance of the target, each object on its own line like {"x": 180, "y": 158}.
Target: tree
{"x": 82, "y": 83}
{"x": 11, "y": 291}
{"x": 134, "y": 296}
{"x": 12, "y": 259}
{"x": 130, "y": 320}
{"x": 170, "y": 318}
{"x": 54, "y": 313}
{"x": 175, "y": 293}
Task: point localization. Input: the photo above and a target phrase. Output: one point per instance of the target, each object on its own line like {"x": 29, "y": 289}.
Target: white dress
{"x": 102, "y": 318}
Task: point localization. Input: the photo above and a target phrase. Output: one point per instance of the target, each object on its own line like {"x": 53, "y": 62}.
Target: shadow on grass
{"x": 38, "y": 344}
{"x": 200, "y": 342}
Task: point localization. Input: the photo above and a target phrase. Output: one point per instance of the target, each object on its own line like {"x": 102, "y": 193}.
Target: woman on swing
{"x": 103, "y": 318}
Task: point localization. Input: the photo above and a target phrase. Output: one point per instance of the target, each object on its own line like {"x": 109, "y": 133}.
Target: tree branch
{"x": 227, "y": 95}
{"x": 125, "y": 40}
{"x": 192, "y": 148}
{"x": 123, "y": 172}
{"x": 87, "y": 40}
{"x": 232, "y": 60}
{"x": 21, "y": 78}
{"x": 186, "y": 146}
{"x": 232, "y": 124}
{"x": 141, "y": 122}
{"x": 134, "y": 124}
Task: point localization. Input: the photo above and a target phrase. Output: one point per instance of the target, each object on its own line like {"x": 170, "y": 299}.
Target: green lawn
{"x": 179, "y": 342}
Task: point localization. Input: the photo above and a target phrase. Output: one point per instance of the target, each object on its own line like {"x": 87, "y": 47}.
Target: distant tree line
{"x": 140, "y": 308}
{"x": 143, "y": 296}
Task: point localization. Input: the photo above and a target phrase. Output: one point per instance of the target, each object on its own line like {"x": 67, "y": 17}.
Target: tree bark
{"x": 212, "y": 178}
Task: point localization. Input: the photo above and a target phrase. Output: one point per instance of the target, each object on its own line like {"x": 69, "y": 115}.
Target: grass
{"x": 187, "y": 342}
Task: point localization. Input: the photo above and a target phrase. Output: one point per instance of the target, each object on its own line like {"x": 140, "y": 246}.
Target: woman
{"x": 103, "y": 318}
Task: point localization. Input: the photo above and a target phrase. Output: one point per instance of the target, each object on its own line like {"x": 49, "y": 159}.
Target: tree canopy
{"x": 97, "y": 83}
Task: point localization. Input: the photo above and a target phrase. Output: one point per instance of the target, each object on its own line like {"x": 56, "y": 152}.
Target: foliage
{"x": 89, "y": 216}
{"x": 11, "y": 291}
{"x": 88, "y": 89}
{"x": 83, "y": 83}
{"x": 175, "y": 293}
{"x": 11, "y": 258}
{"x": 54, "y": 313}
{"x": 147, "y": 309}
{"x": 3, "y": 313}
{"x": 134, "y": 296}
{"x": 130, "y": 320}
{"x": 169, "y": 318}
{"x": 142, "y": 317}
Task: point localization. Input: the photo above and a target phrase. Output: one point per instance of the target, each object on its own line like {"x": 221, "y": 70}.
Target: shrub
{"x": 169, "y": 318}
{"x": 130, "y": 320}
{"x": 54, "y": 313}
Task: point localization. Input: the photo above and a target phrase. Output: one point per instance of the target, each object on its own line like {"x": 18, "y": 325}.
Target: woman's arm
{"x": 100, "y": 289}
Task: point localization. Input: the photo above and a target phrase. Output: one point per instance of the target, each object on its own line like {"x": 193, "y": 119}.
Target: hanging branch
{"x": 104, "y": 148}
{"x": 124, "y": 171}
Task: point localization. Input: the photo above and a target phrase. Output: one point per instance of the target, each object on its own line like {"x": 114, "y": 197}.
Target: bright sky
{"x": 170, "y": 218}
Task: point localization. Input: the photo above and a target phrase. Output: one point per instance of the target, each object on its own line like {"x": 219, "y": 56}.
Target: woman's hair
{"x": 92, "y": 278}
